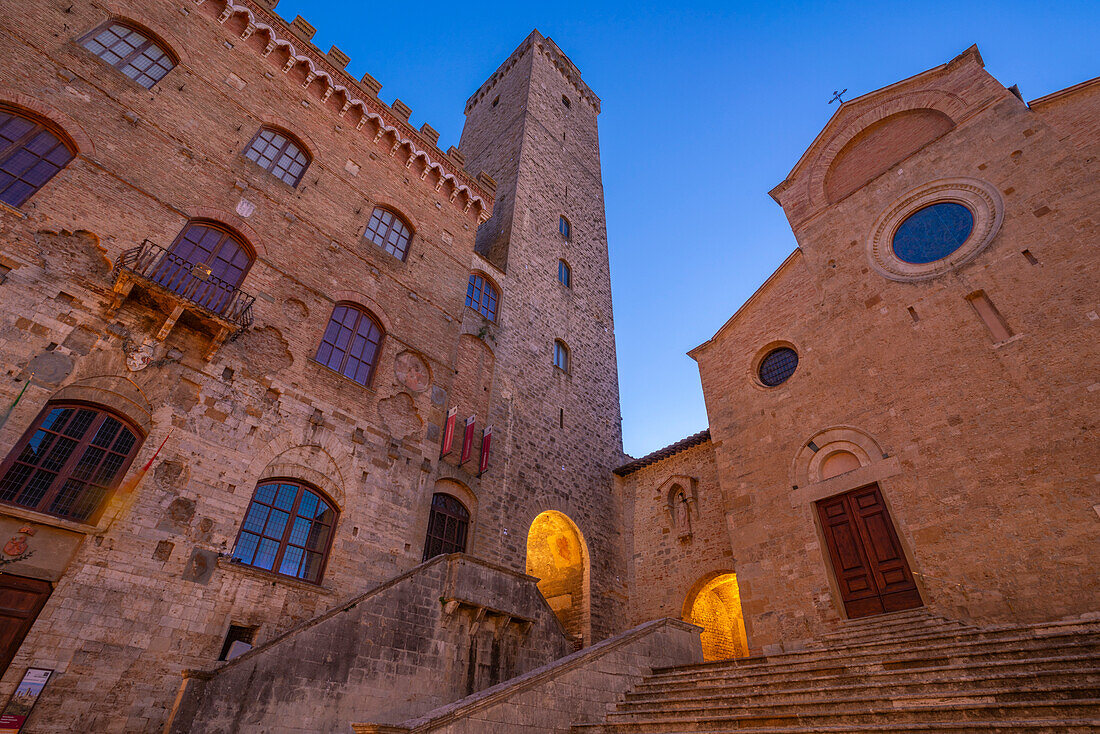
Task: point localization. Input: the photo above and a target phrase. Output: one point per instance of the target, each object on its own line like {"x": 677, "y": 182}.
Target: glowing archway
{"x": 558, "y": 556}
{"x": 714, "y": 604}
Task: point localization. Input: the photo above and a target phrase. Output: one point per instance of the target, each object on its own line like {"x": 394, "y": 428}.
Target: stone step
{"x": 996, "y": 645}
{"x": 808, "y": 691}
{"x": 1016, "y": 726}
{"x": 860, "y": 700}
{"x": 871, "y": 633}
{"x": 901, "y": 635}
{"x": 895, "y": 714}
{"x": 934, "y": 669}
{"x": 877, "y": 619}
{"x": 1052, "y": 631}
{"x": 855, "y": 701}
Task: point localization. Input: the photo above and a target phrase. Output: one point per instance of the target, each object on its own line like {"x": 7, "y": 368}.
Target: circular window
{"x": 933, "y": 233}
{"x": 778, "y": 366}
{"x": 935, "y": 228}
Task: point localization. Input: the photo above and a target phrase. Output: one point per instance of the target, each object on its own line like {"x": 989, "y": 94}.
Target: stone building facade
{"x": 270, "y": 352}
{"x": 228, "y": 373}
{"x": 935, "y": 425}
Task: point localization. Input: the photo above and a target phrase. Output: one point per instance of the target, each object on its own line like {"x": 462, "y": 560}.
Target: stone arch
{"x": 173, "y": 44}
{"x": 362, "y": 299}
{"x": 318, "y": 464}
{"x": 669, "y": 492}
{"x": 714, "y": 603}
{"x": 557, "y": 555}
{"x": 950, "y": 104}
{"x": 809, "y": 461}
{"x": 70, "y": 127}
{"x": 117, "y": 392}
{"x": 879, "y": 147}
{"x": 232, "y": 220}
{"x": 460, "y": 491}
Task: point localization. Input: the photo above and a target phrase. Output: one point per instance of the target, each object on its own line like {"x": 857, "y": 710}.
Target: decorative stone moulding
{"x": 980, "y": 197}
{"x": 256, "y": 24}
{"x": 764, "y": 351}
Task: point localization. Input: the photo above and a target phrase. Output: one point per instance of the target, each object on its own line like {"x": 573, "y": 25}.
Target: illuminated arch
{"x": 558, "y": 556}
{"x": 714, "y": 603}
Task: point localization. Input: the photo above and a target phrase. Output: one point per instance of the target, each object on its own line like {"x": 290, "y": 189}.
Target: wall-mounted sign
{"x": 23, "y": 700}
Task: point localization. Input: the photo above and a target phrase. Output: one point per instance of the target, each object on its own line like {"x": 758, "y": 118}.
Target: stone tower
{"x": 532, "y": 126}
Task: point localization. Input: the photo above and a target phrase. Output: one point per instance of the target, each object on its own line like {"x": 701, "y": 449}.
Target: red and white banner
{"x": 449, "y": 432}
{"x": 486, "y": 438}
{"x": 467, "y": 440}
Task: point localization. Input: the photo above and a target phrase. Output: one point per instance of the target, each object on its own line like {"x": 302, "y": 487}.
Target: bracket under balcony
{"x": 179, "y": 288}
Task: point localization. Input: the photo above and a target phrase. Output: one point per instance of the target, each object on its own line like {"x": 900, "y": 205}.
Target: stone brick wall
{"x": 580, "y": 688}
{"x": 979, "y": 446}
{"x": 444, "y": 630}
{"x": 151, "y": 591}
{"x": 563, "y": 434}
{"x": 665, "y": 566}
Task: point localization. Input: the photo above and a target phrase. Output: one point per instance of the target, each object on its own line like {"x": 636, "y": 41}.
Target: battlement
{"x": 546, "y": 46}
{"x": 329, "y": 70}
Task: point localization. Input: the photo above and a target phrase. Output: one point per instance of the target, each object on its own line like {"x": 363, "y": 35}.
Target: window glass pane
{"x": 301, "y": 553}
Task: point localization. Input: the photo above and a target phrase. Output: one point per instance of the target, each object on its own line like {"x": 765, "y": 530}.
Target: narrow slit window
{"x": 990, "y": 316}
{"x": 565, "y": 274}
{"x": 563, "y": 227}
{"x": 561, "y": 355}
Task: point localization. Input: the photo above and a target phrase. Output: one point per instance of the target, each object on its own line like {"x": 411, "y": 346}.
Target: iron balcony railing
{"x": 193, "y": 282}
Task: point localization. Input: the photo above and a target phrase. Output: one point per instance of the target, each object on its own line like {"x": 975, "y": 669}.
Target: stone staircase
{"x": 903, "y": 672}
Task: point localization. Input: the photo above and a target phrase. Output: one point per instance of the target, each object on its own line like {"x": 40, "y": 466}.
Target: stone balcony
{"x": 177, "y": 287}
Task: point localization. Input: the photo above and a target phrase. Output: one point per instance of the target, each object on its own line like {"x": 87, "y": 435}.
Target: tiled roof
{"x": 660, "y": 454}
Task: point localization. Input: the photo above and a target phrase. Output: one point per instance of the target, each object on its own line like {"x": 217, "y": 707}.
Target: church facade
{"x": 297, "y": 401}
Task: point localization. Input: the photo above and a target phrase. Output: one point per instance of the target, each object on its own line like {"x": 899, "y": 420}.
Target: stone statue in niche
{"x": 683, "y": 515}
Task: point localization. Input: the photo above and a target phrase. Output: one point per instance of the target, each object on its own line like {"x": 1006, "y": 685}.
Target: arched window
{"x": 131, "y": 51}
{"x": 31, "y": 152}
{"x": 72, "y": 457}
{"x": 561, "y": 355}
{"x": 275, "y": 152}
{"x": 287, "y": 529}
{"x": 390, "y": 232}
{"x": 448, "y": 523}
{"x": 482, "y": 296}
{"x": 351, "y": 343}
{"x": 206, "y": 263}
{"x": 565, "y": 274}
{"x": 563, "y": 227}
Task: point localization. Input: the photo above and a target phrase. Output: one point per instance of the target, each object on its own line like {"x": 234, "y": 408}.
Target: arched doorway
{"x": 558, "y": 556}
{"x": 714, "y": 604}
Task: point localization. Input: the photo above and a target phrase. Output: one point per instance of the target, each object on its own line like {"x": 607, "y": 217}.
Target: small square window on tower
{"x": 563, "y": 227}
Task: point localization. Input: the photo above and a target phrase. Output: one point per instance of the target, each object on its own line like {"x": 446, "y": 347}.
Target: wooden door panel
{"x": 21, "y": 599}
{"x": 850, "y": 567}
{"x": 866, "y": 556}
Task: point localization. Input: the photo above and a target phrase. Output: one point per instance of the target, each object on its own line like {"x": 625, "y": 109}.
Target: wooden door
{"x": 867, "y": 560}
{"x": 21, "y": 599}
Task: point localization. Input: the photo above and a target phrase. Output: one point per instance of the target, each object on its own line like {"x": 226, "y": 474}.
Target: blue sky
{"x": 706, "y": 107}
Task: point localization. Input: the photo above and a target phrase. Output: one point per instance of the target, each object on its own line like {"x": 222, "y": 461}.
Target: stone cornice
{"x": 319, "y": 68}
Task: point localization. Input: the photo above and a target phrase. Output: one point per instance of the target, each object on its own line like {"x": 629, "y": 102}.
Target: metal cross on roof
{"x": 837, "y": 96}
